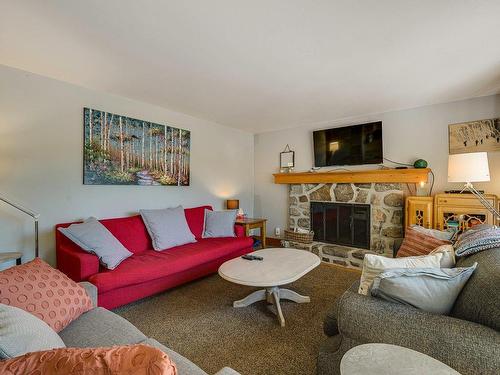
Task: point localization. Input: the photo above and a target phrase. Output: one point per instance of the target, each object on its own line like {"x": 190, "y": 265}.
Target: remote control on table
{"x": 252, "y": 257}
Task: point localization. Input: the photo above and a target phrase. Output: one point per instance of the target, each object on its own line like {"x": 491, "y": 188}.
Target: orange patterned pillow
{"x": 127, "y": 360}
{"x": 417, "y": 243}
{"x": 44, "y": 292}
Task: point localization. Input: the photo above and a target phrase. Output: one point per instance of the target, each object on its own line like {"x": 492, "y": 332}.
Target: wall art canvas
{"x": 474, "y": 136}
{"x": 120, "y": 150}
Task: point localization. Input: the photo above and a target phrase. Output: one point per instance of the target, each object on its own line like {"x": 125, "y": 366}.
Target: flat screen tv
{"x": 349, "y": 145}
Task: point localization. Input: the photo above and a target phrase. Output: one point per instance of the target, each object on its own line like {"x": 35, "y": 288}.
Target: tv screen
{"x": 349, "y": 145}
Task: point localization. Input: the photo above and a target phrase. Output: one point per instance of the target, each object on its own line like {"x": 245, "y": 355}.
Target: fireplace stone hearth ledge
{"x": 386, "y": 227}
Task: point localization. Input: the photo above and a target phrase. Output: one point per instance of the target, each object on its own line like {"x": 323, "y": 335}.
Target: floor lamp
{"x": 469, "y": 168}
{"x": 34, "y": 215}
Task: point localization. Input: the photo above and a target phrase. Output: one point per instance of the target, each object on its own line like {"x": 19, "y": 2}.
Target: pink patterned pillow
{"x": 44, "y": 292}
{"x": 136, "y": 359}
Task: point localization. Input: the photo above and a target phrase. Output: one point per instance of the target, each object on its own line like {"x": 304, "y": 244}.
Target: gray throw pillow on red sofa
{"x": 167, "y": 227}
{"x": 219, "y": 223}
{"x": 95, "y": 238}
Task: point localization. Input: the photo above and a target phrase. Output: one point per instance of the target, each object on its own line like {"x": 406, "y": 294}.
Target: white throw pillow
{"x": 373, "y": 265}
{"x": 448, "y": 259}
{"x": 22, "y": 332}
{"x": 439, "y": 234}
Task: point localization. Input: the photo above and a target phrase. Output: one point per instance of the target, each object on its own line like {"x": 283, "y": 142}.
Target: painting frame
{"x": 474, "y": 136}
{"x": 121, "y": 150}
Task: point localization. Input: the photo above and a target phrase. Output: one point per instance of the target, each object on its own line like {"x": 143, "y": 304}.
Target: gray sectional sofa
{"x": 100, "y": 328}
{"x": 468, "y": 340}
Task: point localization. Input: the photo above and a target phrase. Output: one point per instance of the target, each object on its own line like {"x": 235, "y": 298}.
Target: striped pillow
{"x": 417, "y": 243}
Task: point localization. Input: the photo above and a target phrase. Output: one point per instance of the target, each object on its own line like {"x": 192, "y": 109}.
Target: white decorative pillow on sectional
{"x": 439, "y": 234}
{"x": 373, "y": 265}
{"x": 448, "y": 259}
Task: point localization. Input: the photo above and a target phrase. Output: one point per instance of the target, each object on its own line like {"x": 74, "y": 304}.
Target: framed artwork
{"x": 120, "y": 150}
{"x": 474, "y": 136}
{"x": 287, "y": 159}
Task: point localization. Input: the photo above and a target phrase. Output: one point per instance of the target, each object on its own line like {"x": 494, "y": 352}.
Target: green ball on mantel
{"x": 420, "y": 163}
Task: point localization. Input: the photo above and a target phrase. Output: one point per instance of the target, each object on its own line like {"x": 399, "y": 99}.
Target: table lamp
{"x": 232, "y": 204}
{"x": 469, "y": 168}
{"x": 34, "y": 215}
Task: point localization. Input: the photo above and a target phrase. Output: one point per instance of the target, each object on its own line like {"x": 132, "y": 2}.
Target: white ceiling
{"x": 261, "y": 65}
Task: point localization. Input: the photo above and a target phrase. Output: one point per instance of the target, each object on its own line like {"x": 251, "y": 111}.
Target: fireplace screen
{"x": 341, "y": 223}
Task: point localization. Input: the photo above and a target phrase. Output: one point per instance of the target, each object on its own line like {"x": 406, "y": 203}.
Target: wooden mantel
{"x": 411, "y": 175}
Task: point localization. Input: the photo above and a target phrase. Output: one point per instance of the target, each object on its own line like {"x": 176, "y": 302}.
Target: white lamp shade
{"x": 471, "y": 167}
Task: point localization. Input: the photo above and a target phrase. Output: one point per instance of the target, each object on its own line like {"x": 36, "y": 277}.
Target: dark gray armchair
{"x": 468, "y": 340}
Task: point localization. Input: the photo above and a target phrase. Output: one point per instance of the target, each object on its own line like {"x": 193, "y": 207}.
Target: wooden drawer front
{"x": 464, "y": 202}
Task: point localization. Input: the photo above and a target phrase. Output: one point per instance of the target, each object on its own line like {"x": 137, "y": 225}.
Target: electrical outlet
{"x": 277, "y": 231}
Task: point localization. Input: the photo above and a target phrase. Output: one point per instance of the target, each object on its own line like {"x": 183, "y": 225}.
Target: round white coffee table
{"x": 279, "y": 267}
{"x": 386, "y": 359}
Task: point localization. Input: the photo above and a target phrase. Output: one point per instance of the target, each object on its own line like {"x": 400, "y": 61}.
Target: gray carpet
{"x": 198, "y": 321}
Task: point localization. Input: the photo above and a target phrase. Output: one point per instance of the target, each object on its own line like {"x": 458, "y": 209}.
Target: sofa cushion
{"x": 448, "y": 260}
{"x": 219, "y": 223}
{"x": 479, "y": 300}
{"x": 45, "y": 292}
{"x": 430, "y": 289}
{"x": 184, "y": 365}
{"x": 21, "y": 332}
{"x": 374, "y": 265}
{"x": 436, "y": 233}
{"x": 167, "y": 227}
{"x": 100, "y": 327}
{"x": 195, "y": 218}
{"x": 130, "y": 231}
{"x": 418, "y": 243}
{"x": 477, "y": 239}
{"x": 152, "y": 265}
{"x": 94, "y": 238}
{"x": 131, "y": 359}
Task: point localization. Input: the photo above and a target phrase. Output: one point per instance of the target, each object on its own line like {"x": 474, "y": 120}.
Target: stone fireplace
{"x": 341, "y": 223}
{"x": 380, "y": 205}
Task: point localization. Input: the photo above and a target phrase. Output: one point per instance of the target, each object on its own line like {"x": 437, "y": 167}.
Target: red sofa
{"x": 148, "y": 271}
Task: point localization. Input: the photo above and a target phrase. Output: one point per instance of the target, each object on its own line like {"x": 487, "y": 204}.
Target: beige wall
{"x": 41, "y": 160}
{"x": 408, "y": 135}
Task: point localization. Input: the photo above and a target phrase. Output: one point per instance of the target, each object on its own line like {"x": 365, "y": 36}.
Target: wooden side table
{"x": 13, "y": 255}
{"x": 419, "y": 211}
{"x": 254, "y": 223}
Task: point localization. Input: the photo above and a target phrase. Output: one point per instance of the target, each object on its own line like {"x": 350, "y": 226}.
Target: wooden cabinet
{"x": 461, "y": 211}
{"x": 419, "y": 211}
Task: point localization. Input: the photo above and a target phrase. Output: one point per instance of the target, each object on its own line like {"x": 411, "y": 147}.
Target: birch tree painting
{"x": 121, "y": 150}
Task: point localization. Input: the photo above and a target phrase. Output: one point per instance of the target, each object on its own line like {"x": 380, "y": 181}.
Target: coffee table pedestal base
{"x": 272, "y": 295}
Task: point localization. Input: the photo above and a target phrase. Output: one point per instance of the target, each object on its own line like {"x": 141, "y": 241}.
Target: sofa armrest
{"x": 91, "y": 290}
{"x": 77, "y": 264}
{"x": 239, "y": 231}
{"x": 460, "y": 344}
{"x": 227, "y": 371}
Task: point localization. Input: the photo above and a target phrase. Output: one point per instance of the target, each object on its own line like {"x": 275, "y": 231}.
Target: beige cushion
{"x": 448, "y": 259}
{"x": 373, "y": 265}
